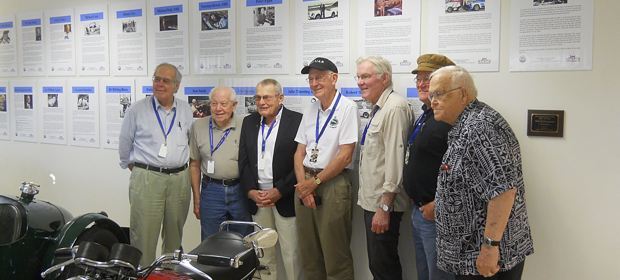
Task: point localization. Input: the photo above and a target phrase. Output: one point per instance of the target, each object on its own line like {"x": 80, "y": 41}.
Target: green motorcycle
{"x": 35, "y": 235}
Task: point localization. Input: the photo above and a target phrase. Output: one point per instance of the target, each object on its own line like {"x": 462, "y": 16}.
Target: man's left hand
{"x": 488, "y": 261}
{"x": 428, "y": 211}
{"x": 305, "y": 187}
{"x": 380, "y": 222}
{"x": 273, "y": 195}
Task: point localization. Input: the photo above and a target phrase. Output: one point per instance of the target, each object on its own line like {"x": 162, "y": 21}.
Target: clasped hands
{"x": 305, "y": 191}
{"x": 265, "y": 198}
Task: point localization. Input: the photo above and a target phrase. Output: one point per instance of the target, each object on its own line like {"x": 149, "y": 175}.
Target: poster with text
{"x": 322, "y": 30}
{"x": 551, "y": 35}
{"x": 52, "y": 114}
{"x": 245, "y": 88}
{"x": 4, "y": 111}
{"x": 93, "y": 57}
{"x": 265, "y": 35}
{"x": 168, "y": 34}
{"x": 24, "y": 110}
{"x": 144, "y": 87}
{"x": 31, "y": 44}
{"x": 128, "y": 38}
{"x": 83, "y": 107}
{"x": 213, "y": 29}
{"x": 297, "y": 94}
{"x": 60, "y": 47}
{"x": 467, "y": 32}
{"x": 116, "y": 97}
{"x": 196, "y": 93}
{"x": 8, "y": 47}
{"x": 390, "y": 29}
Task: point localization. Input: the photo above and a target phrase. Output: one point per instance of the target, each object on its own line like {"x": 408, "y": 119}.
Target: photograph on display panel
{"x": 214, "y": 20}
{"x": 168, "y": 23}
{"x": 83, "y": 102}
{"x": 265, "y": 16}
{"x": 323, "y": 10}
{"x": 200, "y": 105}
{"x": 388, "y": 8}
{"x": 2, "y": 102}
{"x": 52, "y": 100}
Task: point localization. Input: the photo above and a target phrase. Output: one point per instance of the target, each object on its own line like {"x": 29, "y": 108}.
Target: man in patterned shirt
{"x": 481, "y": 218}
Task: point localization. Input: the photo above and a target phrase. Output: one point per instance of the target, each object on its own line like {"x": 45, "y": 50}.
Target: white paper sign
{"x": 83, "y": 109}
{"x": 128, "y": 38}
{"x": 53, "y": 108}
{"x": 8, "y": 47}
{"x": 116, "y": 97}
{"x": 24, "y": 111}
{"x": 31, "y": 42}
{"x": 168, "y": 34}
{"x": 213, "y": 29}
{"x": 4, "y": 111}
{"x": 60, "y": 47}
{"x": 92, "y": 37}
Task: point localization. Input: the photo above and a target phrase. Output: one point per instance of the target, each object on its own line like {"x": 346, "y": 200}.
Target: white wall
{"x": 573, "y": 193}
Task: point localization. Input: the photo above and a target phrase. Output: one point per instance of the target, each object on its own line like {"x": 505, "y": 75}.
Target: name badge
{"x": 163, "y": 151}
{"x": 210, "y": 166}
{"x": 261, "y": 163}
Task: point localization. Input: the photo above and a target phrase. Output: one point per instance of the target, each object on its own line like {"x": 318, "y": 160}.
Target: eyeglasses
{"x": 438, "y": 95}
{"x": 157, "y": 79}
{"x": 318, "y": 79}
{"x": 363, "y": 77}
{"x": 422, "y": 79}
{"x": 265, "y": 98}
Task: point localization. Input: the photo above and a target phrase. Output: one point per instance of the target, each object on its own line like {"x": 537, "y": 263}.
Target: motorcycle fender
{"x": 72, "y": 230}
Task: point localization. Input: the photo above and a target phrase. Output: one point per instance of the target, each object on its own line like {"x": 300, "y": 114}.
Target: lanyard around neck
{"x": 226, "y": 132}
{"x": 329, "y": 117}
{"x": 374, "y": 112}
{"x": 417, "y": 127}
{"x": 161, "y": 125}
{"x": 263, "y": 137}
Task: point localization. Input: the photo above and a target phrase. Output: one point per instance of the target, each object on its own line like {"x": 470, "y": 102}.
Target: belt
{"x": 223, "y": 182}
{"x": 160, "y": 169}
{"x": 312, "y": 171}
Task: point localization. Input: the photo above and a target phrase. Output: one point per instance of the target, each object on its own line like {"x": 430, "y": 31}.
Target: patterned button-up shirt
{"x": 483, "y": 160}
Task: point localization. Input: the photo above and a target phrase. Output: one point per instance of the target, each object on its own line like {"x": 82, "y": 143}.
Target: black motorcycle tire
{"x": 96, "y": 234}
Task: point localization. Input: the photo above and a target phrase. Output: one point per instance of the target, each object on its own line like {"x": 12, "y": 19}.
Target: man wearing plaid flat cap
{"x": 425, "y": 147}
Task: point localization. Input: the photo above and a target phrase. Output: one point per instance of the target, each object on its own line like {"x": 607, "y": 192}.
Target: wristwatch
{"x": 490, "y": 242}
{"x": 317, "y": 180}
{"x": 386, "y": 208}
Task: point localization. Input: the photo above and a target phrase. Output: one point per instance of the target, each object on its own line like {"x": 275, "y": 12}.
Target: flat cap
{"x": 431, "y": 62}
{"x": 320, "y": 63}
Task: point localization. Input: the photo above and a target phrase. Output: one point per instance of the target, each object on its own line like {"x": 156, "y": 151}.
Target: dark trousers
{"x": 383, "y": 248}
{"x": 512, "y": 274}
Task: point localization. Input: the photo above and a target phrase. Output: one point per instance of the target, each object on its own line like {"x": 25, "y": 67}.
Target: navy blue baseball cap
{"x": 320, "y": 63}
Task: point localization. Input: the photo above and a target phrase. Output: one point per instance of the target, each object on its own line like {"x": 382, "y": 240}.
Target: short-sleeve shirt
{"x": 341, "y": 129}
{"x": 225, "y": 157}
{"x": 483, "y": 160}
{"x": 381, "y": 156}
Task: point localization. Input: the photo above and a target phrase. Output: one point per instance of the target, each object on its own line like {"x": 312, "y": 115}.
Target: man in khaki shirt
{"x": 381, "y": 164}
{"x": 214, "y": 149}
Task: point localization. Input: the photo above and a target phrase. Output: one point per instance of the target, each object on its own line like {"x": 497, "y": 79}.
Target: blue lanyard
{"x": 417, "y": 127}
{"x": 221, "y": 139}
{"x": 161, "y": 125}
{"x": 374, "y": 112}
{"x": 331, "y": 114}
{"x": 264, "y": 143}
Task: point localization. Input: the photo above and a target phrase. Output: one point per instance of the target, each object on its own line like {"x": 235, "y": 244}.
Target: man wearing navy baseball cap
{"x": 326, "y": 142}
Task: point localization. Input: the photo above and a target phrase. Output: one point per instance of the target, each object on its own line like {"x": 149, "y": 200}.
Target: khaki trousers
{"x": 157, "y": 199}
{"x": 287, "y": 244}
{"x": 325, "y": 232}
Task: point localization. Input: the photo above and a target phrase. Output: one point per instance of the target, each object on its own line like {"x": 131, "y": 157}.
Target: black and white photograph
{"x": 83, "y": 102}
{"x": 2, "y": 102}
{"x": 129, "y": 26}
{"x": 5, "y": 39}
{"x": 168, "y": 23}
{"x": 52, "y": 100}
{"x": 37, "y": 33}
{"x": 388, "y": 8}
{"x": 363, "y": 108}
{"x": 125, "y": 102}
{"x": 200, "y": 106}
{"x": 214, "y": 20}
{"x": 549, "y": 2}
{"x": 92, "y": 28}
{"x": 265, "y": 16}
{"x": 28, "y": 101}
{"x": 323, "y": 10}
{"x": 250, "y": 104}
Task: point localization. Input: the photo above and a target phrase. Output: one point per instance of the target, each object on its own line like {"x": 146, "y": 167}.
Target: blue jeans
{"x": 424, "y": 237}
{"x": 220, "y": 203}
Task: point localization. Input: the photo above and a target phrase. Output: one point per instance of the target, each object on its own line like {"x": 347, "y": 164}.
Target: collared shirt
{"x": 483, "y": 160}
{"x": 265, "y": 174}
{"x": 342, "y": 129}
{"x": 381, "y": 156}
{"x": 141, "y": 137}
{"x": 425, "y": 154}
{"x": 225, "y": 157}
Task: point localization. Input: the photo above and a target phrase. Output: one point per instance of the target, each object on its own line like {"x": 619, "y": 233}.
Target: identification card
{"x": 261, "y": 163}
{"x": 210, "y": 166}
{"x": 163, "y": 150}
{"x": 314, "y": 155}
{"x": 407, "y": 154}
